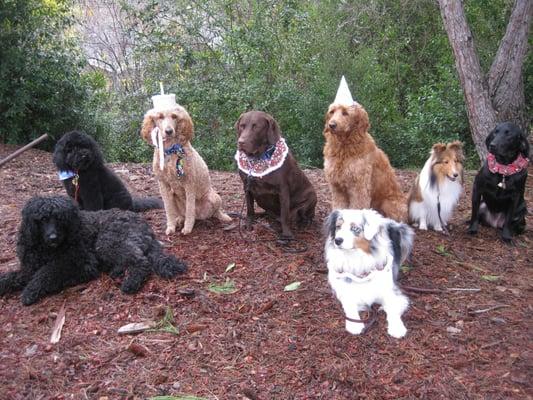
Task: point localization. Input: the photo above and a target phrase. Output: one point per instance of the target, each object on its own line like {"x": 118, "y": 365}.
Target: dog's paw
{"x": 397, "y": 330}
{"x": 29, "y": 298}
{"x": 170, "y": 231}
{"x": 130, "y": 287}
{"x": 355, "y": 328}
{"x": 186, "y": 230}
{"x": 472, "y": 230}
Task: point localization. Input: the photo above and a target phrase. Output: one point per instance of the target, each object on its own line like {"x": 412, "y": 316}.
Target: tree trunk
{"x": 506, "y": 84}
{"x": 501, "y": 96}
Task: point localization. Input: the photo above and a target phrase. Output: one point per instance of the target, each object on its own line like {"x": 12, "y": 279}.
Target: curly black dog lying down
{"x": 60, "y": 246}
{"x": 96, "y": 187}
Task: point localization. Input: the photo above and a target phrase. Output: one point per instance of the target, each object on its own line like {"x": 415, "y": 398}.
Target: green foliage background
{"x": 224, "y": 57}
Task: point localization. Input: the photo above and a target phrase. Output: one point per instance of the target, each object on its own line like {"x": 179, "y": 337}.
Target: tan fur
{"x": 448, "y": 160}
{"x": 190, "y": 196}
{"x": 415, "y": 194}
{"x": 359, "y": 174}
{"x": 362, "y": 244}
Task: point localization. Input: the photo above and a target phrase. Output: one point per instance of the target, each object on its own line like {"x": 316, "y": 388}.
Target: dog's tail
{"x": 146, "y": 203}
{"x": 401, "y": 236}
{"x": 168, "y": 266}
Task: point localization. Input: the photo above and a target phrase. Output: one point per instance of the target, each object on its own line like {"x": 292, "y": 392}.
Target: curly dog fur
{"x": 190, "y": 196}
{"x": 60, "y": 246}
{"x": 359, "y": 173}
{"x": 99, "y": 188}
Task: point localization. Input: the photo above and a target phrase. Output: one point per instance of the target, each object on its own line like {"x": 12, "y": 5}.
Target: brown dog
{"x": 359, "y": 174}
{"x": 270, "y": 174}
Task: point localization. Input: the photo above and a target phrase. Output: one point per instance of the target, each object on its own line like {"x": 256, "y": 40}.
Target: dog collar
{"x": 180, "y": 161}
{"x": 64, "y": 175}
{"x": 271, "y": 160}
{"x": 516, "y": 166}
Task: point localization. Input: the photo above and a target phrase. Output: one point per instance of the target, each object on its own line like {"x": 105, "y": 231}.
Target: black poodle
{"x": 94, "y": 186}
{"x": 60, "y": 245}
{"x": 498, "y": 190}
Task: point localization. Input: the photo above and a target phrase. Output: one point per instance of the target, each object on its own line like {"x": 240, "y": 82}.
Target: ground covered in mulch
{"x": 259, "y": 341}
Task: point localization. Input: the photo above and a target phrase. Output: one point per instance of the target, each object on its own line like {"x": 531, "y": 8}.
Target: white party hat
{"x": 164, "y": 101}
{"x": 344, "y": 96}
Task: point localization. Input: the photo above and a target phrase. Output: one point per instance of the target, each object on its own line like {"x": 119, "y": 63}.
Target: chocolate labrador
{"x": 270, "y": 174}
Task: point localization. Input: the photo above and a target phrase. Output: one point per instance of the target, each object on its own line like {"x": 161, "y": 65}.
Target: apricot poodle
{"x": 184, "y": 180}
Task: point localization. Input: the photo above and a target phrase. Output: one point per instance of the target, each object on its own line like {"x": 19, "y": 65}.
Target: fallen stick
{"x": 458, "y": 289}
{"x": 23, "y": 149}
{"x": 484, "y": 310}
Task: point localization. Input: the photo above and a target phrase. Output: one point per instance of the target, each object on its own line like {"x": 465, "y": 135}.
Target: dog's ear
{"x": 372, "y": 222}
{"x": 185, "y": 125}
{"x": 363, "y": 122}
{"x": 274, "y": 133}
{"x": 457, "y": 147}
{"x": 438, "y": 148}
{"x": 59, "y": 155}
{"x": 489, "y": 138}
{"x": 148, "y": 125}
{"x": 524, "y": 145}
{"x": 330, "y": 226}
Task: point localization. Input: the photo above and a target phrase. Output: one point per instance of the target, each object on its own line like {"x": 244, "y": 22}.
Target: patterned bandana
{"x": 510, "y": 169}
{"x": 272, "y": 159}
{"x": 180, "y": 161}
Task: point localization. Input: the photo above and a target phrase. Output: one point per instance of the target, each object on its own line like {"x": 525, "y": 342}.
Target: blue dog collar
{"x": 64, "y": 175}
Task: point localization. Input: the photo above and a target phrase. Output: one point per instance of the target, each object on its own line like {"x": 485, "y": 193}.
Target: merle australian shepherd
{"x": 498, "y": 191}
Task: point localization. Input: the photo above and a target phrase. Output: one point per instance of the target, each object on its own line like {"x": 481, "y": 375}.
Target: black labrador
{"x": 498, "y": 191}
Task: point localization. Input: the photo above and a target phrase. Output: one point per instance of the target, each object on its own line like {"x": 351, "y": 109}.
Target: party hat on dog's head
{"x": 164, "y": 101}
{"x": 344, "y": 97}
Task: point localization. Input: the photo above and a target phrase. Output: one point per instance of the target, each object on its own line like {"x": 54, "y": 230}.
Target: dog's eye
{"x": 160, "y": 116}
{"x": 174, "y": 116}
{"x": 446, "y": 162}
{"x": 345, "y": 113}
{"x": 253, "y": 126}
{"x": 331, "y": 112}
{"x": 356, "y": 230}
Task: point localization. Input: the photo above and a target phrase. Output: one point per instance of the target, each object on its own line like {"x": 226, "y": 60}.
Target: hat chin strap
{"x": 157, "y": 141}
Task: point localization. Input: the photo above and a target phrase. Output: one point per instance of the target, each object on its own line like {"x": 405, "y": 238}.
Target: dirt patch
{"x": 260, "y": 342}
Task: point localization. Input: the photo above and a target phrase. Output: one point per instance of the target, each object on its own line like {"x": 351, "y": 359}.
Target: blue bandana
{"x": 64, "y": 175}
{"x": 180, "y": 162}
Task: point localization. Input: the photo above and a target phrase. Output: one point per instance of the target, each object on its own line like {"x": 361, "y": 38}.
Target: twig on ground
{"x": 484, "y": 310}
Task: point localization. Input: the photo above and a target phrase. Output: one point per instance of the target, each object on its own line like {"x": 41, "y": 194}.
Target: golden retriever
{"x": 359, "y": 174}
{"x": 184, "y": 180}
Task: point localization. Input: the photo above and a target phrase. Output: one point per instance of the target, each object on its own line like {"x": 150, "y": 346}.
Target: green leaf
{"x": 227, "y": 287}
{"x": 230, "y": 267}
{"x": 292, "y": 286}
{"x": 490, "y": 278}
{"x": 441, "y": 249}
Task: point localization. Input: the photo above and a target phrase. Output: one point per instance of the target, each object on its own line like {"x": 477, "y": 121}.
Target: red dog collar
{"x": 510, "y": 169}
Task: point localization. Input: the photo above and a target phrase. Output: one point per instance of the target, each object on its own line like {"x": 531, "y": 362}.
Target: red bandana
{"x": 510, "y": 169}
{"x": 262, "y": 166}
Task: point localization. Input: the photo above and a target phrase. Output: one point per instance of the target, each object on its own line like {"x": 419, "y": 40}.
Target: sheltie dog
{"x": 438, "y": 187}
{"x": 363, "y": 252}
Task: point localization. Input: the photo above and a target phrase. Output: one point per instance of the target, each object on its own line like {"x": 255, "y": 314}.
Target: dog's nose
{"x": 332, "y": 124}
{"x": 169, "y": 131}
{"x": 455, "y": 174}
{"x": 52, "y": 236}
{"x": 492, "y": 148}
{"x": 338, "y": 241}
